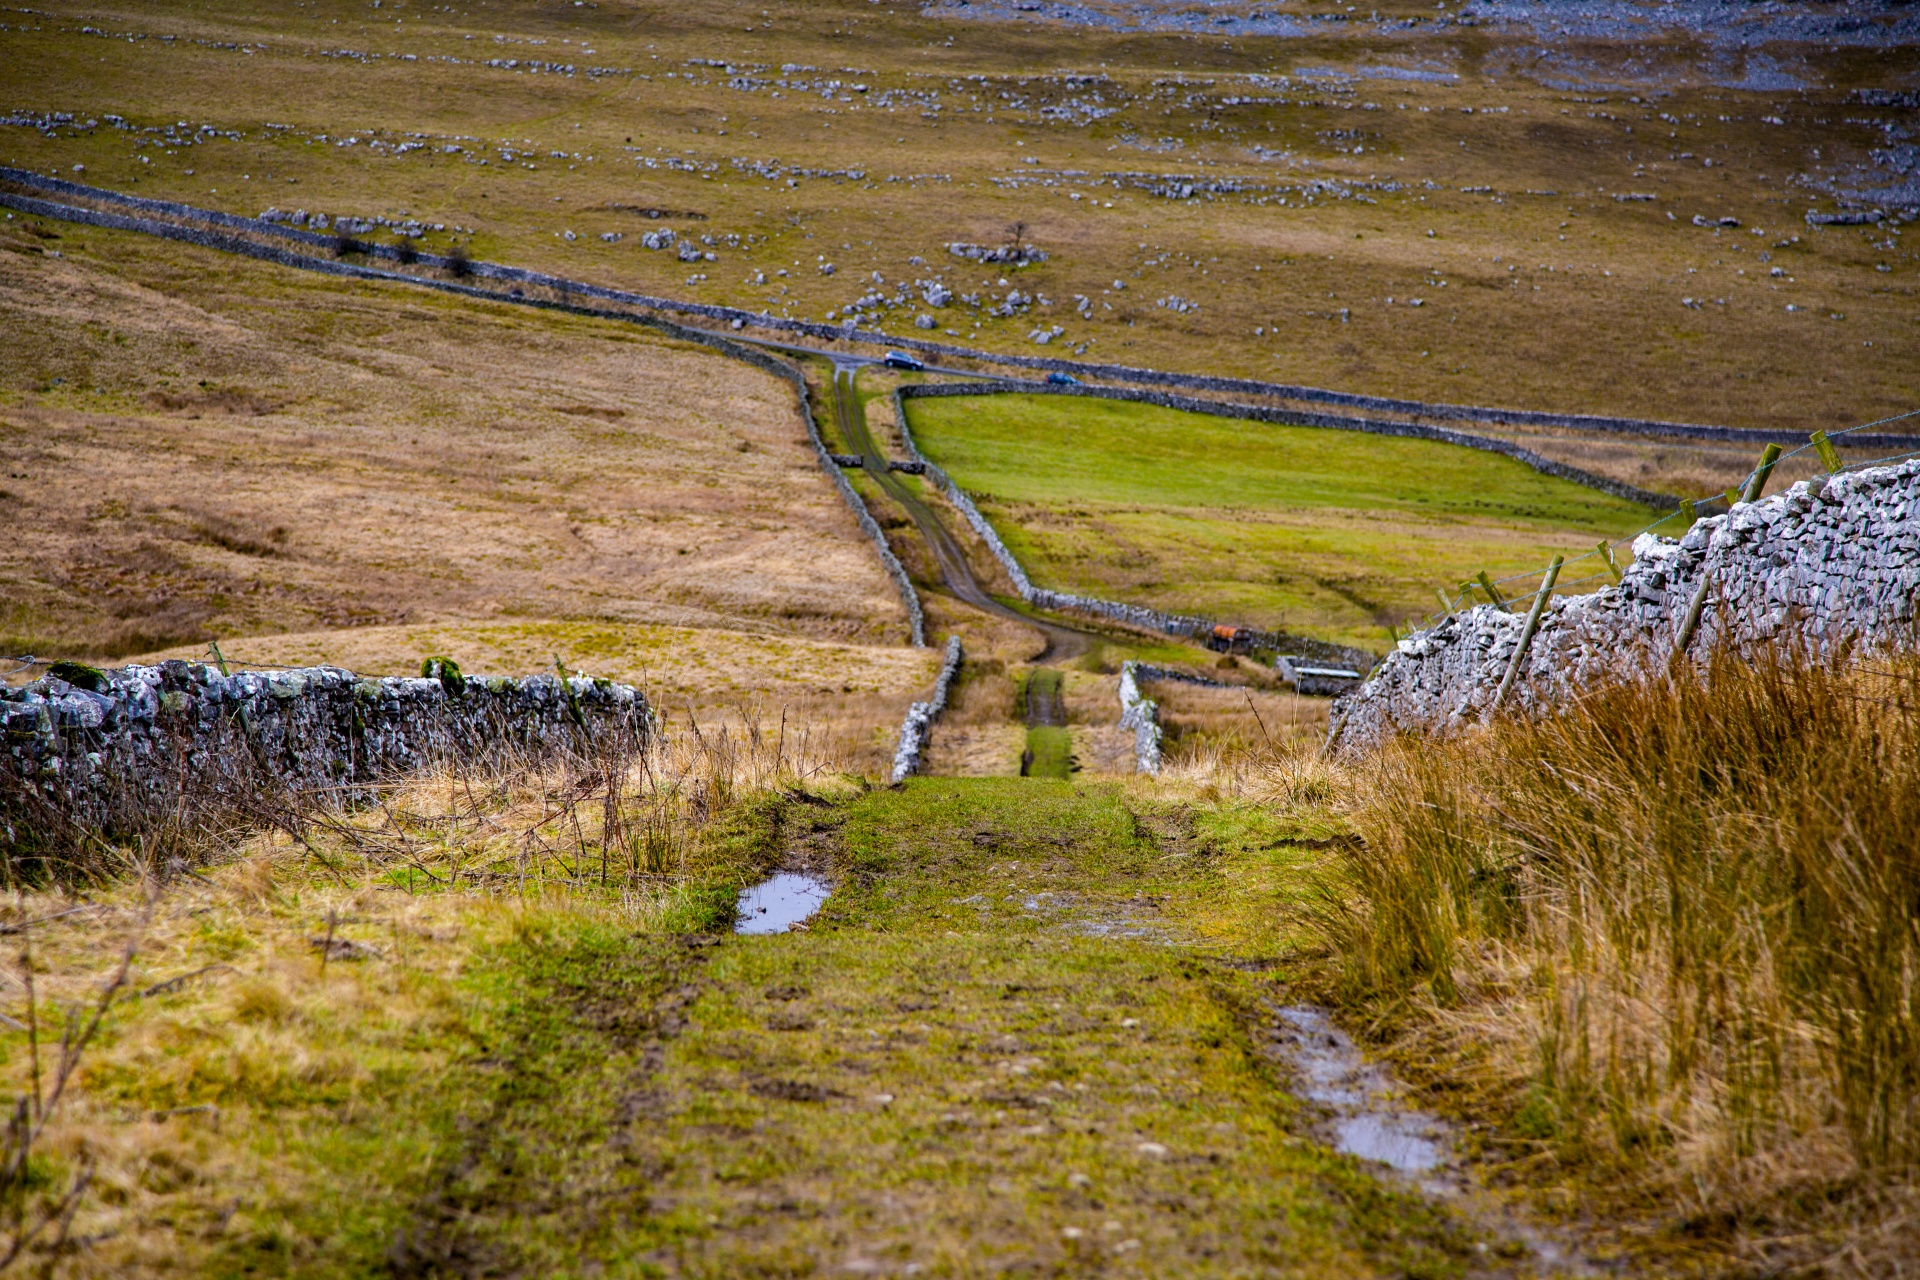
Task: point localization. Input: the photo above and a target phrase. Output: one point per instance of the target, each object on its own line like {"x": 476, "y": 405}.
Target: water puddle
{"x": 1367, "y": 1117}
{"x": 778, "y": 904}
{"x": 1081, "y": 917}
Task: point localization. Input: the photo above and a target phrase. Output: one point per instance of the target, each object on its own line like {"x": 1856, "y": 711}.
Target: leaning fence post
{"x": 1695, "y": 607}
{"x": 1829, "y": 456}
{"x": 1606, "y": 556}
{"x": 1493, "y": 593}
{"x": 1527, "y": 629}
{"x": 1757, "y": 484}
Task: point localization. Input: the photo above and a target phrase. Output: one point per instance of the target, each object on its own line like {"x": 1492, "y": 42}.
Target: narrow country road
{"x": 1061, "y": 641}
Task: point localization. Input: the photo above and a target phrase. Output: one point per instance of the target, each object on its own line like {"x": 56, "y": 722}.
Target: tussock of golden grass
{"x": 1238, "y": 721}
{"x": 1672, "y": 931}
{"x": 978, "y": 735}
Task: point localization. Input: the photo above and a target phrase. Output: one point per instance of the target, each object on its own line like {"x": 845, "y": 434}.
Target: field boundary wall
{"x": 917, "y": 729}
{"x": 1825, "y": 565}
{"x": 120, "y": 752}
{"x": 739, "y": 317}
{"x": 1141, "y": 714}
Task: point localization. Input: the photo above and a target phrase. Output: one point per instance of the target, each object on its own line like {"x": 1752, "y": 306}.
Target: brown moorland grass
{"x": 1667, "y": 935}
{"x": 1495, "y": 198}
{"x": 198, "y": 446}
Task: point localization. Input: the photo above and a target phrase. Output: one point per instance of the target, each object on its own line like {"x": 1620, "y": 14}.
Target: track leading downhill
{"x": 1061, "y": 641}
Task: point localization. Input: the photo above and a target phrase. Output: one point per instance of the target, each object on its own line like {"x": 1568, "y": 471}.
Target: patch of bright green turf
{"x": 1050, "y": 751}
{"x": 1329, "y": 532}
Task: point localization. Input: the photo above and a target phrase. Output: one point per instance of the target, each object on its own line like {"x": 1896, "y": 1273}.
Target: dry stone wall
{"x": 738, "y": 317}
{"x": 1827, "y": 562}
{"x": 917, "y": 729}
{"x": 1141, "y": 714}
{"x": 117, "y": 752}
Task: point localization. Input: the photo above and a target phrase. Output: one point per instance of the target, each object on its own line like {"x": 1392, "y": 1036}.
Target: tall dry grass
{"x": 631, "y": 818}
{"x": 1678, "y": 921}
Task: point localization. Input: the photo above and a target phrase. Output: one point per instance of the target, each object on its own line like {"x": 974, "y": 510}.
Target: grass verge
{"x": 1668, "y": 935}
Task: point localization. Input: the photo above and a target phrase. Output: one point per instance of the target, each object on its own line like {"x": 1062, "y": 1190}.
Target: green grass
{"x": 1049, "y": 752}
{"x": 1002, "y": 1044}
{"x": 1328, "y": 532}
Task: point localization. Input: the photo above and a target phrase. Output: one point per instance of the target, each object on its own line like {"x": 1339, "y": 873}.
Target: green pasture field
{"x": 1331, "y": 533}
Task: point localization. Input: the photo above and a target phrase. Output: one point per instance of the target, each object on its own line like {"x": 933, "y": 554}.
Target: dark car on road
{"x": 900, "y": 360}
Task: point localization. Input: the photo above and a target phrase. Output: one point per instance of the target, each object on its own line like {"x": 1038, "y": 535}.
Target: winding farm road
{"x": 1061, "y": 641}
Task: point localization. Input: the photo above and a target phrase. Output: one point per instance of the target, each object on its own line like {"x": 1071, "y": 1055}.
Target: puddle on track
{"x": 1359, "y": 1095}
{"x": 1367, "y": 1118}
{"x": 778, "y": 904}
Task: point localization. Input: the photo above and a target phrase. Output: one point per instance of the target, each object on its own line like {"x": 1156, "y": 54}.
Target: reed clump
{"x": 1676, "y": 924}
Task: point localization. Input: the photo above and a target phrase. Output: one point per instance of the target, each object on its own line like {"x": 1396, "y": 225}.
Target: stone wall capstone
{"x": 117, "y": 752}
{"x": 1826, "y": 562}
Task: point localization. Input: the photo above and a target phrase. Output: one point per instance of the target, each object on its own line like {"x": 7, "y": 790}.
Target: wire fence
{"x": 1824, "y": 444}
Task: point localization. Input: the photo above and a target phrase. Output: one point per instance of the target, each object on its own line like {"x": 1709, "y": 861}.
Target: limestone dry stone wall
{"x": 1141, "y": 714}
{"x": 1827, "y": 562}
{"x": 917, "y": 728}
{"x": 737, "y": 317}
{"x": 119, "y": 752}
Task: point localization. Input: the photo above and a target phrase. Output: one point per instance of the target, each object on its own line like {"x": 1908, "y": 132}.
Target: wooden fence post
{"x": 1493, "y": 592}
{"x": 1757, "y": 485}
{"x": 1829, "y": 456}
{"x": 1527, "y": 629}
{"x": 1695, "y": 607}
{"x": 1606, "y": 557}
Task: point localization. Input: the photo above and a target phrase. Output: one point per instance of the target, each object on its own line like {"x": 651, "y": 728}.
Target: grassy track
{"x": 1029, "y": 1032}
{"x": 940, "y": 1073}
{"x": 1332, "y": 533}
